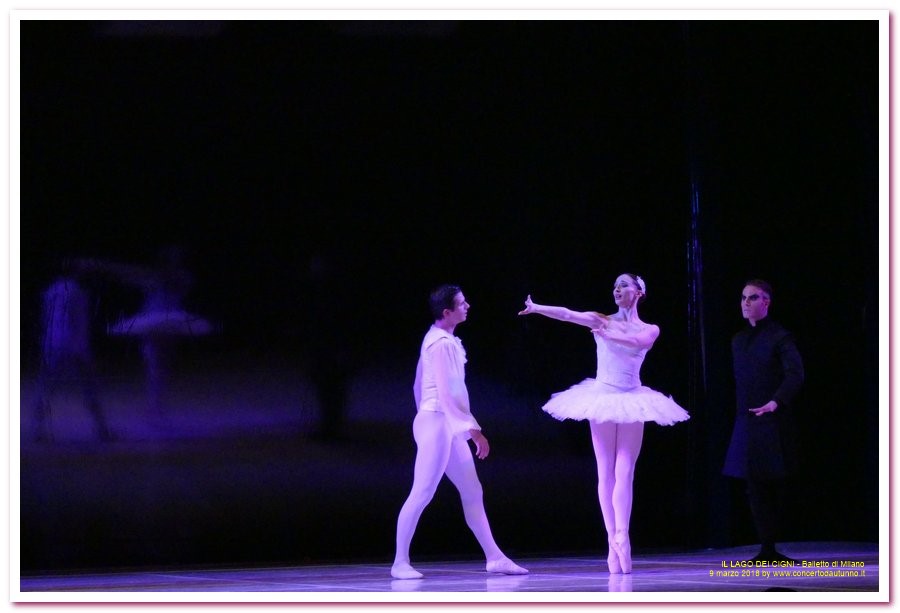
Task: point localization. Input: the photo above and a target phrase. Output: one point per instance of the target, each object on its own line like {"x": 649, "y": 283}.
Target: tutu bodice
{"x": 618, "y": 364}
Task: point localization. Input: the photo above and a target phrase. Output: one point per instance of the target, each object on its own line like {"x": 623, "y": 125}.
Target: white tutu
{"x": 601, "y": 402}
{"x": 165, "y": 322}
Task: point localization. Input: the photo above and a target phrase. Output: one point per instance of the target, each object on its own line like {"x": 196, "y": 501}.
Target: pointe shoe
{"x": 623, "y": 548}
{"x": 612, "y": 560}
{"x": 505, "y": 566}
{"x": 402, "y": 570}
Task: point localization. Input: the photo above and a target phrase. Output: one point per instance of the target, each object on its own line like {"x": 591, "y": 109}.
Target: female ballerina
{"x": 161, "y": 320}
{"x": 615, "y": 404}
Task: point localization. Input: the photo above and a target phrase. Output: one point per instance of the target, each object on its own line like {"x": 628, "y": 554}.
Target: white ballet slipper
{"x": 505, "y": 566}
{"x": 402, "y": 570}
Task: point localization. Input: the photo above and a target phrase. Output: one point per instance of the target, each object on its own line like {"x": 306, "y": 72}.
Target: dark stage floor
{"x": 706, "y": 575}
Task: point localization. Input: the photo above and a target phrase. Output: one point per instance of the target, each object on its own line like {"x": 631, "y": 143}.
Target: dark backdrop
{"x": 335, "y": 171}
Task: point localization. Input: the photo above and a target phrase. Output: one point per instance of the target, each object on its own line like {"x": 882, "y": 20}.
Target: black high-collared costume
{"x": 767, "y": 366}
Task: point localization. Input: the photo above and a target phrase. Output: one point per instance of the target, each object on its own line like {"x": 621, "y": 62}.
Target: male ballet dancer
{"x": 442, "y": 427}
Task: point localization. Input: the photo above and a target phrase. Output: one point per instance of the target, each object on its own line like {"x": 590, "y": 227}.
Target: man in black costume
{"x": 768, "y": 373}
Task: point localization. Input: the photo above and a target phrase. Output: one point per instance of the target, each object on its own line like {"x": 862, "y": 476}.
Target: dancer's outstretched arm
{"x": 590, "y": 319}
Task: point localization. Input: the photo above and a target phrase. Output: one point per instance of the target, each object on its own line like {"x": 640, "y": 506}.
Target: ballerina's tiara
{"x": 641, "y": 284}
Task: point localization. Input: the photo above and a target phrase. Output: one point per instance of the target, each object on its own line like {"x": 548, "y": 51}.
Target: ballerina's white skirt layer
{"x": 169, "y": 322}
{"x": 601, "y": 402}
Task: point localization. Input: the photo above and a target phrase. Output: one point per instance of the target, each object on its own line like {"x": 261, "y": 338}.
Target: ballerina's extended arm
{"x": 590, "y": 319}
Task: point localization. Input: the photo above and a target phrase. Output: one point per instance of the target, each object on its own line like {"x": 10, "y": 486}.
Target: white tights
{"x": 616, "y": 447}
{"x": 439, "y": 453}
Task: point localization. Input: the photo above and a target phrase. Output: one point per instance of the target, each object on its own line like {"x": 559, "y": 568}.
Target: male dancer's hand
{"x": 769, "y": 407}
{"x": 482, "y": 447}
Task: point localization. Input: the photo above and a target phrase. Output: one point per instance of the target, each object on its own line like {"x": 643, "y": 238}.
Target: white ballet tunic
{"x": 616, "y": 394}
{"x": 440, "y": 384}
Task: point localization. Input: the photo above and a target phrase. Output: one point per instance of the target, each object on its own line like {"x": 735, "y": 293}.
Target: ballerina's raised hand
{"x": 529, "y": 306}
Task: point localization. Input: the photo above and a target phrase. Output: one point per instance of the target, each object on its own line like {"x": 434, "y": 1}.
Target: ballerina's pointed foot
{"x": 612, "y": 560}
{"x": 505, "y": 566}
{"x": 623, "y": 548}
{"x": 402, "y": 570}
